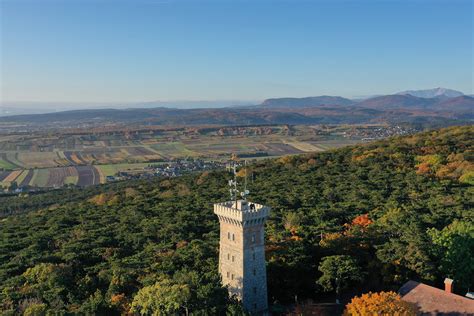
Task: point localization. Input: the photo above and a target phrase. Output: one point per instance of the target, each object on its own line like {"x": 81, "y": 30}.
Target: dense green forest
{"x": 374, "y": 215}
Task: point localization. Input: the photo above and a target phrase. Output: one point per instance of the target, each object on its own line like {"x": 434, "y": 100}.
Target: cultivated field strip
{"x": 21, "y": 176}
{"x": 57, "y": 176}
{"x": 27, "y": 178}
{"x": 6, "y": 162}
{"x": 139, "y": 151}
{"x": 3, "y": 175}
{"x": 13, "y": 175}
{"x": 12, "y": 158}
{"x": 88, "y": 175}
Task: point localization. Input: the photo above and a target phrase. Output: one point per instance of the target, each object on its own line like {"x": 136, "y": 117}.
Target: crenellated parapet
{"x": 241, "y": 212}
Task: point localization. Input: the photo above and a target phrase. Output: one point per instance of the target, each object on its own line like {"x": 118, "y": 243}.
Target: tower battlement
{"x": 241, "y": 212}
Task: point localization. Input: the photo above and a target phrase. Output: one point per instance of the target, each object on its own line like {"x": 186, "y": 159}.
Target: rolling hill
{"x": 306, "y": 102}
{"x": 459, "y": 104}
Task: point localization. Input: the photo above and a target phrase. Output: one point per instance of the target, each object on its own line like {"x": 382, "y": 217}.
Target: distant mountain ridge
{"x": 433, "y": 93}
{"x": 397, "y": 101}
{"x": 461, "y": 103}
{"x": 438, "y": 99}
{"x": 308, "y": 110}
{"x": 411, "y": 98}
{"x": 307, "y": 101}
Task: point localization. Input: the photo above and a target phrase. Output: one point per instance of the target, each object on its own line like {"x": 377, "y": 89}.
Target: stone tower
{"x": 242, "y": 252}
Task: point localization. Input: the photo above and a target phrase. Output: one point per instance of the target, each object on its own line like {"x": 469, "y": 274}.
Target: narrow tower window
{"x": 254, "y": 271}
{"x": 228, "y": 235}
{"x": 233, "y": 237}
{"x": 253, "y": 238}
{"x": 233, "y": 258}
{"x": 228, "y": 256}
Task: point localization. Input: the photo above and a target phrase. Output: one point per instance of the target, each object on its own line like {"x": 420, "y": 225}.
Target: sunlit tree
{"x": 382, "y": 303}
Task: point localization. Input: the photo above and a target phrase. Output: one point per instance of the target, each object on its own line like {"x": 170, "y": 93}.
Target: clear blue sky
{"x": 142, "y": 50}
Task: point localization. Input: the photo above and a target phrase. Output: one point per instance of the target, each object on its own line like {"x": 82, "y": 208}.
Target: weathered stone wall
{"x": 255, "y": 274}
{"x": 231, "y": 257}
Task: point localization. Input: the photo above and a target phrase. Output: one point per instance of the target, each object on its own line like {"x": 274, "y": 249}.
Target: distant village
{"x": 380, "y": 132}
{"x": 173, "y": 168}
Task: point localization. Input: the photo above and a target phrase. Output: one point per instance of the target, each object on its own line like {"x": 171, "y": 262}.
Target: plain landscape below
{"x": 87, "y": 157}
{"x": 86, "y": 147}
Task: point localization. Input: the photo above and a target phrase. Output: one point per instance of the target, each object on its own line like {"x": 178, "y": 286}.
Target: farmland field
{"x": 40, "y": 178}
{"x": 151, "y": 145}
{"x": 84, "y": 157}
{"x": 4, "y": 163}
{"x": 37, "y": 159}
{"x": 112, "y": 169}
{"x": 87, "y": 175}
{"x": 20, "y": 178}
{"x": 27, "y": 178}
{"x": 57, "y": 177}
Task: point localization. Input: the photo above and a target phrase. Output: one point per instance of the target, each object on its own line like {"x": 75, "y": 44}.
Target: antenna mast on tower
{"x": 246, "y": 192}
{"x": 234, "y": 191}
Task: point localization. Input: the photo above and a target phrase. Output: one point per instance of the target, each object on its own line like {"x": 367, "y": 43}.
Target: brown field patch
{"x": 12, "y": 176}
{"x": 57, "y": 176}
{"x": 88, "y": 175}
{"x": 303, "y": 146}
{"x": 140, "y": 151}
{"x": 278, "y": 149}
{"x": 37, "y": 159}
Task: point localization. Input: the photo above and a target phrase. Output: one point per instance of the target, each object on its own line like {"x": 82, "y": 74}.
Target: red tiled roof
{"x": 434, "y": 301}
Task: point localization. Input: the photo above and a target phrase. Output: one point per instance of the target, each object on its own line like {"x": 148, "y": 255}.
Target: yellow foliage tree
{"x": 242, "y": 173}
{"x": 285, "y": 160}
{"x": 381, "y": 303}
{"x": 104, "y": 199}
{"x": 121, "y": 302}
{"x": 428, "y": 163}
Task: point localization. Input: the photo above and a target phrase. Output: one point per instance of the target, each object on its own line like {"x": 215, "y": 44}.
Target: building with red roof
{"x": 433, "y": 301}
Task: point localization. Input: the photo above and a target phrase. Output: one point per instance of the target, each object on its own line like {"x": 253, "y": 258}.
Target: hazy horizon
{"x": 229, "y": 101}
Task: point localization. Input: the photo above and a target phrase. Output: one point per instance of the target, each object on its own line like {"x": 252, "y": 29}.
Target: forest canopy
{"x": 391, "y": 210}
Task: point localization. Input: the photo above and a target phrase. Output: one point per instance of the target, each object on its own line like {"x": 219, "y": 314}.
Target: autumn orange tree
{"x": 381, "y": 303}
